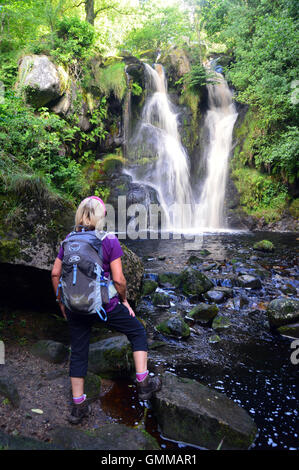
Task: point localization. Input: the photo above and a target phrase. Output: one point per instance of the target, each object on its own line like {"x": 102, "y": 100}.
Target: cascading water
{"x": 160, "y": 160}
{"x": 219, "y": 124}
{"x": 158, "y": 138}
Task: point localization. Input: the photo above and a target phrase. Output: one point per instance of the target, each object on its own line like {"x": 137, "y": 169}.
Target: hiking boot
{"x": 148, "y": 386}
{"x": 78, "y": 412}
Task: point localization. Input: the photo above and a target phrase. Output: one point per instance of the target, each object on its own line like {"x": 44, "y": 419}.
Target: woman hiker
{"x": 90, "y": 216}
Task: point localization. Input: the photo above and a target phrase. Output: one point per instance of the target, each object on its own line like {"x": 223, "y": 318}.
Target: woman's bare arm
{"x": 120, "y": 282}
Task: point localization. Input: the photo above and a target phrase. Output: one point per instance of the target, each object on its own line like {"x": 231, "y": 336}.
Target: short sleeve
{"x": 61, "y": 250}
{"x": 115, "y": 248}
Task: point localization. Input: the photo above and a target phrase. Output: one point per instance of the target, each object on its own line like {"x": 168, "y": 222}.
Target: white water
{"x": 168, "y": 173}
{"x": 219, "y": 123}
{"x": 159, "y": 131}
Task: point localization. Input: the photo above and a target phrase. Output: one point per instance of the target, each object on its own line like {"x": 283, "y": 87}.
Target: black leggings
{"x": 80, "y": 326}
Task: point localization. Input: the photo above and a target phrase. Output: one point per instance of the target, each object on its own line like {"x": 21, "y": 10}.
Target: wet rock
{"x": 214, "y": 339}
{"x": 264, "y": 245}
{"x": 190, "y": 412}
{"x": 194, "y": 282}
{"x": 92, "y": 386}
{"x": 160, "y": 299}
{"x": 289, "y": 330}
{"x": 9, "y": 390}
{"x": 149, "y": 286}
{"x": 289, "y": 289}
{"x": 283, "y": 311}
{"x": 51, "y": 351}
{"x": 228, "y": 292}
{"x": 107, "y": 437}
{"x": 247, "y": 280}
{"x": 111, "y": 358}
{"x": 175, "y": 327}
{"x": 169, "y": 279}
{"x": 215, "y": 296}
{"x": 203, "y": 313}
{"x": 221, "y": 323}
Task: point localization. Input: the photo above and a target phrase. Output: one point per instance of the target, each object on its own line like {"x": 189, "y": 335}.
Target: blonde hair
{"x": 90, "y": 214}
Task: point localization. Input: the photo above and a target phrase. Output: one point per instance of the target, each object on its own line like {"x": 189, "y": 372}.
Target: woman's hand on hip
{"x": 131, "y": 311}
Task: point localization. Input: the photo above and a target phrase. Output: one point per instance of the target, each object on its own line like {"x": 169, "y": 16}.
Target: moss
{"x": 264, "y": 245}
{"x": 112, "y": 79}
{"x": 149, "y": 286}
{"x": 294, "y": 208}
{"x": 9, "y": 250}
{"x": 174, "y": 327}
{"x": 260, "y": 194}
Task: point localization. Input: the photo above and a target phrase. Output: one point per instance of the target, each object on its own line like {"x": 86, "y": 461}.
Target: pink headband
{"x": 98, "y": 199}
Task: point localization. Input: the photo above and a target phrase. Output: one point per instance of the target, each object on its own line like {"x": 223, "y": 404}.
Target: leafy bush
{"x": 260, "y": 194}
{"x": 112, "y": 79}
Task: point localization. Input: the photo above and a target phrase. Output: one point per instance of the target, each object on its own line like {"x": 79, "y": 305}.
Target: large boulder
{"x": 190, "y": 412}
{"x": 194, "y": 282}
{"x": 111, "y": 358}
{"x": 41, "y": 80}
{"x": 108, "y": 437}
{"x": 133, "y": 271}
{"x": 283, "y": 311}
{"x": 9, "y": 390}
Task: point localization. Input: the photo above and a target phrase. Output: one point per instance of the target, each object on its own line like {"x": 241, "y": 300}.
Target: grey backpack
{"x": 84, "y": 288}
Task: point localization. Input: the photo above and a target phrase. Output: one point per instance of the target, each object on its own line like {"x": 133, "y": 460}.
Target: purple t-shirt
{"x": 111, "y": 251}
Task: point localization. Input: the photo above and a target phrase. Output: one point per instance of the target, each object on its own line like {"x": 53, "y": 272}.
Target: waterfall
{"x": 157, "y": 138}
{"x": 158, "y": 158}
{"x": 219, "y": 124}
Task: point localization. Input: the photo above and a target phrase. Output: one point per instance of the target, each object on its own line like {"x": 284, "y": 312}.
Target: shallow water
{"x": 263, "y": 380}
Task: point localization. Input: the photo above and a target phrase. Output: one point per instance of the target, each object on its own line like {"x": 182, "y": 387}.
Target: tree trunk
{"x": 89, "y": 10}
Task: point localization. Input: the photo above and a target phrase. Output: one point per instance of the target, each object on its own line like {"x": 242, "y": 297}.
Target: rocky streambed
{"x": 221, "y": 322}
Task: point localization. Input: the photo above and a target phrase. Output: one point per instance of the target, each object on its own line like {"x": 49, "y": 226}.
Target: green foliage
{"x": 73, "y": 40}
{"x": 262, "y": 38}
{"x": 159, "y": 27}
{"x": 260, "y": 194}
{"x": 36, "y": 142}
{"x": 112, "y": 79}
{"x": 196, "y": 78}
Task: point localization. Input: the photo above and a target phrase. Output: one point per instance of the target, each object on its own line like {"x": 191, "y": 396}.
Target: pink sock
{"x": 79, "y": 400}
{"x": 142, "y": 376}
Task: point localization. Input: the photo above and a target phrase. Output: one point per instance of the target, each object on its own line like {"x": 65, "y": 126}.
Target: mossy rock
{"x": 294, "y": 208}
{"x": 203, "y": 313}
{"x": 148, "y": 286}
{"x": 291, "y": 331}
{"x": 193, "y": 282}
{"x": 169, "y": 279}
{"x": 174, "y": 327}
{"x": 51, "y": 351}
{"x": 264, "y": 245}
{"x": 111, "y": 358}
{"x": 9, "y": 250}
{"x": 160, "y": 299}
{"x": 221, "y": 323}
{"x": 92, "y": 386}
{"x": 283, "y": 311}
{"x": 214, "y": 339}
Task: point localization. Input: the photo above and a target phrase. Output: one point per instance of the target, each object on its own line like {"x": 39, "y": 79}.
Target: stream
{"x": 253, "y": 368}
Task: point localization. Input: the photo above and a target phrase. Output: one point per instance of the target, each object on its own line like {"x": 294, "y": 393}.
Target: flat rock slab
{"x": 108, "y": 437}
{"x": 190, "y": 412}
{"x": 8, "y": 442}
